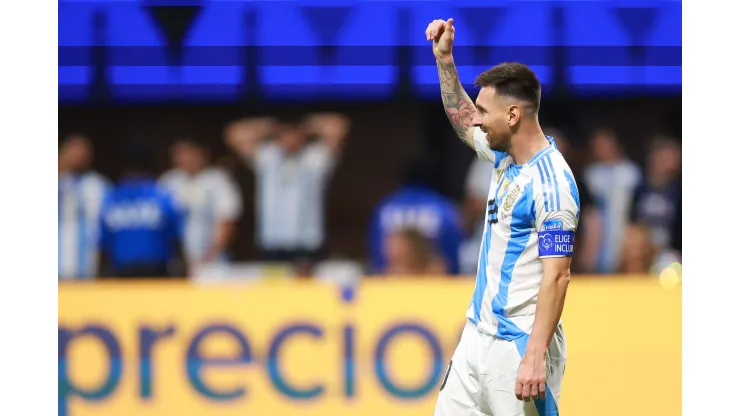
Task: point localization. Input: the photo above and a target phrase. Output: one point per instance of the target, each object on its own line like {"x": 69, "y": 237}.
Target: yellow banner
{"x": 297, "y": 348}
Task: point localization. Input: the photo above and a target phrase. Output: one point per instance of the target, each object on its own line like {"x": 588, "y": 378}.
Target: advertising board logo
{"x": 118, "y": 334}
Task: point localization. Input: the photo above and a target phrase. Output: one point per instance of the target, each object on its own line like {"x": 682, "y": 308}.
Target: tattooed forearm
{"x": 458, "y": 105}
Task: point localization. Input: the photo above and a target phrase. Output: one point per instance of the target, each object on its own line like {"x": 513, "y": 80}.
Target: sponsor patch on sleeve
{"x": 552, "y": 225}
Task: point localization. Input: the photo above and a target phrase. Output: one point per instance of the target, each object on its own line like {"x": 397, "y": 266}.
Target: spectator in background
{"x": 293, "y": 162}
{"x": 416, "y": 205}
{"x": 81, "y": 193}
{"x": 409, "y": 253}
{"x": 477, "y": 186}
{"x": 637, "y": 251}
{"x": 611, "y": 179}
{"x": 210, "y": 199}
{"x": 141, "y": 226}
{"x": 657, "y": 200}
{"x": 589, "y": 232}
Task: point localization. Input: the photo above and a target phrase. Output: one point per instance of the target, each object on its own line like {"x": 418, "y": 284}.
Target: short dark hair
{"x": 192, "y": 142}
{"x": 76, "y": 136}
{"x": 512, "y": 79}
{"x": 662, "y": 142}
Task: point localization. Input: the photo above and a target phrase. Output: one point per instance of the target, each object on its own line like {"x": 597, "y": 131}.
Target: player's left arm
{"x": 556, "y": 217}
{"x": 550, "y": 302}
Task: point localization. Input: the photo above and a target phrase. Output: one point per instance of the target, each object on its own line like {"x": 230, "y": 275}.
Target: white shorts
{"x": 481, "y": 377}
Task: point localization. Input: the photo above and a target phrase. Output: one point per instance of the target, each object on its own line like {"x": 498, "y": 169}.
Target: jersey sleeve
{"x": 485, "y": 152}
{"x": 228, "y": 203}
{"x": 557, "y": 209}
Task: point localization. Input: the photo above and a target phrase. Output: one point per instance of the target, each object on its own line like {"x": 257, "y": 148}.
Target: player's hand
{"x": 530, "y": 379}
{"x": 442, "y": 34}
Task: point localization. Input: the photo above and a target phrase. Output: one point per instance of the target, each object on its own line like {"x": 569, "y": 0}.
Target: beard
{"x": 498, "y": 142}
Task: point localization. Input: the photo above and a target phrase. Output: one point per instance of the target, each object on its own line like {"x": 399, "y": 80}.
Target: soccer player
{"x": 511, "y": 356}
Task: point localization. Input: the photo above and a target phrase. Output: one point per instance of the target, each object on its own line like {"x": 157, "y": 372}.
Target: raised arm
{"x": 459, "y": 107}
{"x": 244, "y": 136}
{"x": 330, "y": 128}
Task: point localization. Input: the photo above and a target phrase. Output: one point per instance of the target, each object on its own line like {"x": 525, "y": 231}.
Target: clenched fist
{"x": 442, "y": 34}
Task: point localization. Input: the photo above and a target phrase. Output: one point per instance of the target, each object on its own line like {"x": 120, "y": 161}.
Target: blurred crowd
{"x": 182, "y": 222}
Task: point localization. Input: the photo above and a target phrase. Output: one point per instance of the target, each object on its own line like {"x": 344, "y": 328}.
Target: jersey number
{"x": 492, "y": 212}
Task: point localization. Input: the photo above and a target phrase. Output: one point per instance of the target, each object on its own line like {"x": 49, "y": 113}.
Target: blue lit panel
{"x": 623, "y": 46}
{"x": 313, "y": 49}
{"x": 214, "y": 56}
{"x": 665, "y": 59}
{"x": 486, "y": 34}
{"x": 139, "y": 67}
{"x": 294, "y": 59}
{"x": 75, "y": 39}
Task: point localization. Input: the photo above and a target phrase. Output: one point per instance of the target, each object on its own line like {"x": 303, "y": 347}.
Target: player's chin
{"x": 494, "y": 144}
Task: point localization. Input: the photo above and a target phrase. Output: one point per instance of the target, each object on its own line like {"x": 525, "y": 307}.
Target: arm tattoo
{"x": 458, "y": 105}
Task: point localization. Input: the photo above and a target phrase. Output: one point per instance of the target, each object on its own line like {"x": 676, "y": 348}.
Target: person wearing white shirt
{"x": 612, "y": 180}
{"x": 292, "y": 172}
{"x": 210, "y": 198}
{"x": 81, "y": 193}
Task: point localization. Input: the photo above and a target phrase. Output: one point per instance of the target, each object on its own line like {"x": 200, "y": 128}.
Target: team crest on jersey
{"x": 513, "y": 195}
{"x": 505, "y": 184}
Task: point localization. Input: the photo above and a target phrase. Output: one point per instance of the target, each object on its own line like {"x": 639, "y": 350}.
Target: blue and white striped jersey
{"x": 80, "y": 199}
{"x": 532, "y": 213}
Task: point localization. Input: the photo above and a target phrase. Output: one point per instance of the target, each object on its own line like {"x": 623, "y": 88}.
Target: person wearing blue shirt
{"x": 416, "y": 205}
{"x": 141, "y": 227}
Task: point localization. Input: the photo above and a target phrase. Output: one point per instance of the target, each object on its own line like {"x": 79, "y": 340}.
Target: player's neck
{"x": 527, "y": 142}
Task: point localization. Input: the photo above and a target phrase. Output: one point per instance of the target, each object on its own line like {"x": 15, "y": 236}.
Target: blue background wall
{"x": 230, "y": 51}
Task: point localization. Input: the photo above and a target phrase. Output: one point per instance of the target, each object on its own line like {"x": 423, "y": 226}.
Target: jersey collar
{"x": 542, "y": 153}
